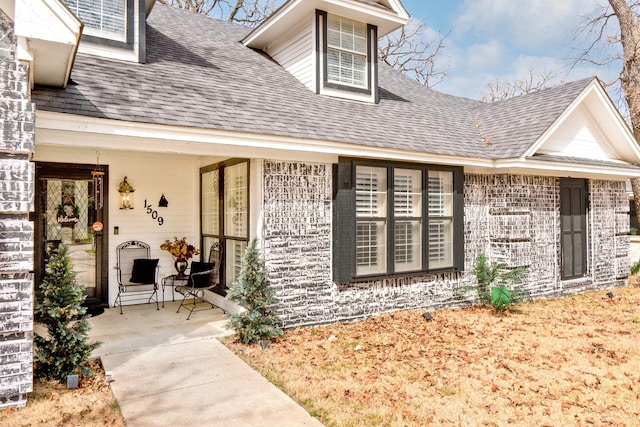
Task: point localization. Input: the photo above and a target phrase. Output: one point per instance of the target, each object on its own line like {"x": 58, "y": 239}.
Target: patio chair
{"x": 137, "y": 274}
{"x": 203, "y": 276}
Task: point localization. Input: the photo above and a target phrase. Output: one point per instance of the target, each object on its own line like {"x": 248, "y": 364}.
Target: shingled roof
{"x": 199, "y": 75}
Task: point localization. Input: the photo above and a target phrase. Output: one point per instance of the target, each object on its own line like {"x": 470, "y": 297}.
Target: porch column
{"x": 17, "y": 128}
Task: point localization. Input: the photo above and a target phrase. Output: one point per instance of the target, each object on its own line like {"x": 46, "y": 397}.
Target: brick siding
{"x": 17, "y": 115}
{"x": 510, "y": 218}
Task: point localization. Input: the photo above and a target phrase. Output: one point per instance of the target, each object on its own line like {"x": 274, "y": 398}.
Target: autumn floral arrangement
{"x": 179, "y": 248}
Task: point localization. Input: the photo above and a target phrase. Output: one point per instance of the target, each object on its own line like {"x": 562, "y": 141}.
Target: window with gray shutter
{"x": 393, "y": 219}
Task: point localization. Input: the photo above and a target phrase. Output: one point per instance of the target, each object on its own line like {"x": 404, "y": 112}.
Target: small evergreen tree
{"x": 251, "y": 291}
{"x": 58, "y": 306}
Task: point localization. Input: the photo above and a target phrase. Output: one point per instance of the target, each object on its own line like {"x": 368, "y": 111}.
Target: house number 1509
{"x": 153, "y": 213}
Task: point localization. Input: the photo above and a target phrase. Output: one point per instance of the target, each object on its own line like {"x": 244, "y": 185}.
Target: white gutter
{"x": 55, "y": 129}
{"x": 136, "y": 136}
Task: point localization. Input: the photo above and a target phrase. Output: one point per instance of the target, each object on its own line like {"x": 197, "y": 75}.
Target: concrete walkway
{"x": 169, "y": 371}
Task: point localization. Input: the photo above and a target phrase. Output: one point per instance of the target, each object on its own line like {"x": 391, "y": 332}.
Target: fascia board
{"x": 142, "y": 133}
{"x": 554, "y": 127}
{"x": 618, "y": 120}
{"x": 48, "y": 20}
{"x": 564, "y": 169}
{"x": 612, "y": 113}
{"x": 290, "y": 13}
{"x": 53, "y": 24}
{"x": 268, "y": 23}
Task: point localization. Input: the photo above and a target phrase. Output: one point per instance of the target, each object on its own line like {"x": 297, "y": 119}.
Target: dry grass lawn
{"x": 573, "y": 361}
{"x": 52, "y": 404}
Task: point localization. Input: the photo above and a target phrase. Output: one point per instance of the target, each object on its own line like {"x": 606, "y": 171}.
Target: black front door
{"x": 71, "y": 209}
{"x": 573, "y": 223}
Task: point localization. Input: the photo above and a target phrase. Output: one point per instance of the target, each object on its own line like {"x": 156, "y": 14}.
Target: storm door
{"x": 225, "y": 214}
{"x": 573, "y": 228}
{"x": 71, "y": 209}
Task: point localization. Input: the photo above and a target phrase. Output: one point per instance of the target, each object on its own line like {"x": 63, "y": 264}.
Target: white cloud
{"x": 485, "y": 56}
{"x": 528, "y": 24}
{"x": 502, "y": 39}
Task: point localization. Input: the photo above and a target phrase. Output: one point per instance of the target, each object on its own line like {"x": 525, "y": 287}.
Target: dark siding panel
{"x": 343, "y": 222}
{"x": 573, "y": 228}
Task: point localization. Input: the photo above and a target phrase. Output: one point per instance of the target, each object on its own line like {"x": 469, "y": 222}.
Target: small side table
{"x": 173, "y": 281}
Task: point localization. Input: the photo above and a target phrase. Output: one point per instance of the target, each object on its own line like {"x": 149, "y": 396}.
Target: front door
{"x": 71, "y": 209}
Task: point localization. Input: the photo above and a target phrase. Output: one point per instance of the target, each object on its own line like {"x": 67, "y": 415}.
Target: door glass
{"x": 70, "y": 213}
{"x": 235, "y": 200}
{"x": 235, "y": 253}
{"x": 210, "y": 205}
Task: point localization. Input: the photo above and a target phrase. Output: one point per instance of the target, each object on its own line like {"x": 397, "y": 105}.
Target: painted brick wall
{"x": 297, "y": 239}
{"x": 512, "y": 219}
{"x": 17, "y": 115}
{"x": 609, "y": 241}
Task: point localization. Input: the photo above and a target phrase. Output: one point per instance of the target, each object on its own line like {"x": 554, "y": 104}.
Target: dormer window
{"x": 346, "y": 57}
{"x": 346, "y": 52}
{"x": 107, "y": 22}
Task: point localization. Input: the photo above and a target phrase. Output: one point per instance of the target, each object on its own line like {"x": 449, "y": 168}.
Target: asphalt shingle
{"x": 198, "y": 74}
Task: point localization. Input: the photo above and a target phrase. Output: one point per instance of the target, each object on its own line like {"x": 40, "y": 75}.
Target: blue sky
{"x": 498, "y": 39}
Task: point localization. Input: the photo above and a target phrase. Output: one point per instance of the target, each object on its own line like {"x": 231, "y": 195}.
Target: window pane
{"x": 371, "y": 247}
{"x": 234, "y": 253}
{"x": 235, "y": 200}
{"x": 407, "y": 185}
{"x": 407, "y": 249}
{"x": 346, "y": 68}
{"x": 101, "y": 18}
{"x": 440, "y": 243}
{"x": 346, "y": 51}
{"x": 345, "y": 34}
{"x": 371, "y": 192}
{"x": 440, "y": 193}
{"x": 210, "y": 203}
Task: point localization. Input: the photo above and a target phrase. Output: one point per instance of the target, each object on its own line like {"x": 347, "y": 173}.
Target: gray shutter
{"x": 343, "y": 222}
{"x": 573, "y": 221}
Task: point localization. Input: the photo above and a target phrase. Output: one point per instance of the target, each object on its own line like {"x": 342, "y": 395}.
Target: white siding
{"x": 295, "y": 52}
{"x": 579, "y": 136}
{"x": 175, "y": 176}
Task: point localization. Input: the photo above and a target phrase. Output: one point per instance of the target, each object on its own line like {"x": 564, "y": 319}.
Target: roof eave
{"x": 290, "y": 14}
{"x": 531, "y": 166}
{"x": 632, "y": 149}
{"x": 49, "y": 40}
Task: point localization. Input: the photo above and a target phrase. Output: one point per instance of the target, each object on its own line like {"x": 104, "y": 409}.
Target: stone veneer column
{"x": 17, "y": 115}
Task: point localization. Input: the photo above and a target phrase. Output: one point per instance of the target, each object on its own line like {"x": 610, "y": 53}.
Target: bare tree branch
{"x": 204, "y": 7}
{"x": 506, "y": 88}
{"x": 624, "y": 46}
{"x": 408, "y": 50}
{"x": 246, "y": 12}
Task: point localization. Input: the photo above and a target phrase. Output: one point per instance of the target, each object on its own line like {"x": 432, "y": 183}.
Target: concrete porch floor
{"x": 169, "y": 371}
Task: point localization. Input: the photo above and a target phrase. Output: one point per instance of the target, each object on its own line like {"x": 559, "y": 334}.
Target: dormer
{"x": 330, "y": 45}
{"x": 113, "y": 28}
{"x": 47, "y": 36}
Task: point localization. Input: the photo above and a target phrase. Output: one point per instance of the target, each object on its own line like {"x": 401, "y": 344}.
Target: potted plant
{"x": 181, "y": 251}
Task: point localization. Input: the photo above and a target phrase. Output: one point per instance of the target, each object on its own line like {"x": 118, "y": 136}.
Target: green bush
{"x": 252, "y": 292}
{"x": 58, "y": 306}
{"x": 492, "y": 283}
{"x": 635, "y": 268}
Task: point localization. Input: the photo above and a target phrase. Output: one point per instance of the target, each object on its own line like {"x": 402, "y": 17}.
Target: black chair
{"x": 137, "y": 274}
{"x": 203, "y": 276}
